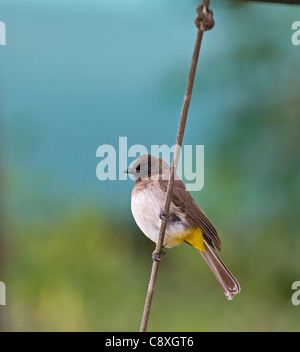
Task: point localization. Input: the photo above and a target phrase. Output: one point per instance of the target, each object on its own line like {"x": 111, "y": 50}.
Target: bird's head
{"x": 148, "y": 167}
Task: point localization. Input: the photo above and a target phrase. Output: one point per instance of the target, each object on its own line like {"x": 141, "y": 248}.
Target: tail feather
{"x": 228, "y": 282}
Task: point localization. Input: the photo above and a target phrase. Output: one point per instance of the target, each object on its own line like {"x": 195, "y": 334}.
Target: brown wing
{"x": 195, "y": 216}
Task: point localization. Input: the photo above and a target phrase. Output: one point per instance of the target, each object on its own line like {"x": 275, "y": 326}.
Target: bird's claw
{"x": 163, "y": 216}
{"x": 156, "y": 256}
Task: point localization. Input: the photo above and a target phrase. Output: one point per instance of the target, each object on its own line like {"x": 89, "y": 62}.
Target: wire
{"x": 203, "y": 22}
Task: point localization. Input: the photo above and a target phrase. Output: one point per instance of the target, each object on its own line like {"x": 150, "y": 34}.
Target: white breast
{"x": 146, "y": 206}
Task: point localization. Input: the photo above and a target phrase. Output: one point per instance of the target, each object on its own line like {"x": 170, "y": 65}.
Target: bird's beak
{"x": 129, "y": 171}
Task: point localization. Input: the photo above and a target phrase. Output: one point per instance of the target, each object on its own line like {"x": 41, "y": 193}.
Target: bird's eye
{"x": 138, "y": 168}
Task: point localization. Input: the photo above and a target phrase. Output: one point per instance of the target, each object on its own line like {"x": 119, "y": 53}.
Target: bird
{"x": 186, "y": 221}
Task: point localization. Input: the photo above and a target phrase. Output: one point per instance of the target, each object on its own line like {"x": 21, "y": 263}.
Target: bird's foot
{"x": 163, "y": 216}
{"x": 156, "y": 256}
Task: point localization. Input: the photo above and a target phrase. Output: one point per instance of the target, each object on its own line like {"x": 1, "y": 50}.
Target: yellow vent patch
{"x": 195, "y": 238}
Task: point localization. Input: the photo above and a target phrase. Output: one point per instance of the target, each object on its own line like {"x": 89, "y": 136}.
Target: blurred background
{"x": 77, "y": 74}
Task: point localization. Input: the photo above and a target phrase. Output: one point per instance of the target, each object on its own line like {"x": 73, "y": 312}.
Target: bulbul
{"x": 186, "y": 221}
